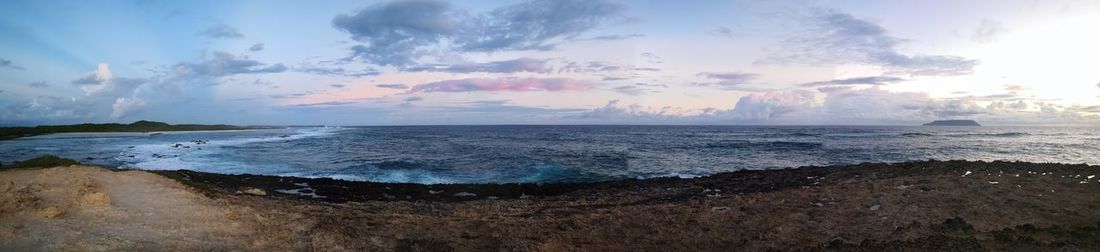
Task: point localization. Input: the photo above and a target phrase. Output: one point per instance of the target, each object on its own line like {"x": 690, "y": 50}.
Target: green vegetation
{"x": 43, "y": 161}
{"x": 139, "y": 126}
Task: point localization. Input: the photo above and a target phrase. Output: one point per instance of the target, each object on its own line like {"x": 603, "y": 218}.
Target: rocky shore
{"x": 930, "y": 205}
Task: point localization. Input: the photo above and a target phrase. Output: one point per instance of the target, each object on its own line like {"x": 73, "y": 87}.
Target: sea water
{"x": 506, "y": 154}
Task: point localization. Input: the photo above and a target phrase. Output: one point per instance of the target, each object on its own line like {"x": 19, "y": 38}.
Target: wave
{"x": 770, "y": 145}
{"x": 914, "y": 134}
{"x": 205, "y": 155}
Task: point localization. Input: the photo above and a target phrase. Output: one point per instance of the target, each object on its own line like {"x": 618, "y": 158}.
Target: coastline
{"x": 132, "y": 133}
{"x": 914, "y": 205}
{"x": 144, "y": 127}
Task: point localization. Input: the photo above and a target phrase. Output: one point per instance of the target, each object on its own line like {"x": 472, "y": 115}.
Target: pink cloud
{"x": 513, "y": 85}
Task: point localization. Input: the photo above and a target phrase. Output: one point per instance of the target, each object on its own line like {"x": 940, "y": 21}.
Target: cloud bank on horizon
{"x": 550, "y": 62}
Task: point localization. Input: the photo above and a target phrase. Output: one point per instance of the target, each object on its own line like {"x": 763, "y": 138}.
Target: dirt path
{"x": 90, "y": 208}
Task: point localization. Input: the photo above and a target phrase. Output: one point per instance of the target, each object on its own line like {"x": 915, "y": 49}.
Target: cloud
{"x": 730, "y": 80}
{"x": 651, "y": 85}
{"x": 125, "y": 96}
{"x": 336, "y": 71}
{"x": 599, "y": 66}
{"x": 987, "y": 31}
{"x": 337, "y": 85}
{"x": 506, "y": 66}
{"x": 722, "y": 31}
{"x": 408, "y": 101}
{"x": 224, "y": 64}
{"x": 48, "y": 108}
{"x": 393, "y": 86}
{"x": 629, "y": 90}
{"x": 103, "y": 83}
{"x": 534, "y": 25}
{"x": 39, "y": 84}
{"x": 124, "y": 106}
{"x": 8, "y": 64}
{"x": 618, "y": 36}
{"x": 321, "y": 104}
{"x": 651, "y": 58}
{"x": 257, "y": 47}
{"x": 395, "y": 31}
{"x": 871, "y": 80}
{"x": 506, "y": 84}
{"x": 399, "y": 32}
{"x": 615, "y": 111}
{"x": 839, "y": 38}
{"x": 770, "y": 105}
{"x": 846, "y": 105}
{"x": 1016, "y": 88}
{"x": 101, "y": 88}
{"x": 222, "y": 31}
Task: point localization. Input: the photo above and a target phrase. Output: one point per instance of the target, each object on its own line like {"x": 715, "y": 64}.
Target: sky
{"x": 429, "y": 62}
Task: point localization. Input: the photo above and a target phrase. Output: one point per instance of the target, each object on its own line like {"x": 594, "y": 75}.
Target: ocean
{"x": 542, "y": 154}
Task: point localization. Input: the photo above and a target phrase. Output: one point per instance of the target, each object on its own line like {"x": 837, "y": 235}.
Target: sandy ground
{"x": 91, "y": 208}
{"x": 942, "y": 206}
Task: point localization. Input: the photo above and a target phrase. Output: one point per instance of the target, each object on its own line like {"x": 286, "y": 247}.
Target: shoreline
{"x": 923, "y": 205}
{"x": 338, "y": 191}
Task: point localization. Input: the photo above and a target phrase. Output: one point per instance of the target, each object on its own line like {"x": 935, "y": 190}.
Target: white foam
{"x": 196, "y": 156}
{"x": 670, "y": 175}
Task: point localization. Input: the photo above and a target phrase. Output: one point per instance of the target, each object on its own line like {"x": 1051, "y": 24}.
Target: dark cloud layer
{"x": 504, "y": 84}
{"x": 8, "y": 64}
{"x": 629, "y": 90}
{"x": 336, "y": 71}
{"x": 393, "y": 86}
{"x": 399, "y": 32}
{"x": 871, "y": 80}
{"x": 506, "y": 66}
{"x": 730, "y": 80}
{"x": 224, "y": 64}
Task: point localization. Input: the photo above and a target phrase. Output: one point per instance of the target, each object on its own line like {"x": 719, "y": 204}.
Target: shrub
{"x": 43, "y": 161}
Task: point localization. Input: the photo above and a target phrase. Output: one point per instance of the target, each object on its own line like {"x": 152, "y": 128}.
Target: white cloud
{"x": 123, "y": 106}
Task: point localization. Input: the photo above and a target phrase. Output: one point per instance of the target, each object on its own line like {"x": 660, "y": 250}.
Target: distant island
{"x": 139, "y": 126}
{"x": 953, "y": 123}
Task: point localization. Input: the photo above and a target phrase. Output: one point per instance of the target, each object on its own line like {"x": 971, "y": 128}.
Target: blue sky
{"x": 549, "y": 62}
